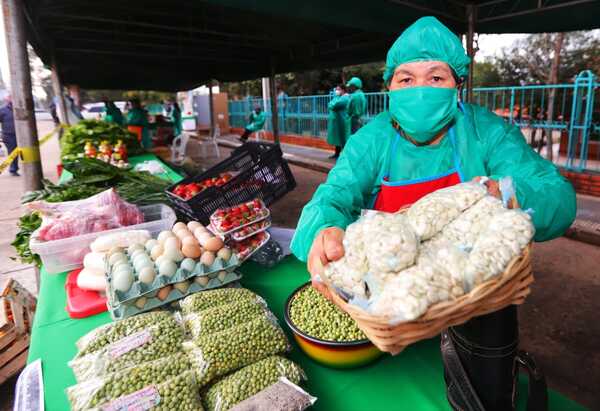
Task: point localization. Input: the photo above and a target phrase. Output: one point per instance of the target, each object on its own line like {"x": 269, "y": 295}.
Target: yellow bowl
{"x": 333, "y": 354}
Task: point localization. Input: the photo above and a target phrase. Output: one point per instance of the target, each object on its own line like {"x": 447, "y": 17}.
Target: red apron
{"x": 397, "y": 194}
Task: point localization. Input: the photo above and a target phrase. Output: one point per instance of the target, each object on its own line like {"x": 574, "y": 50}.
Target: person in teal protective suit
{"x": 338, "y": 121}
{"x": 113, "y": 114}
{"x": 175, "y": 117}
{"x": 425, "y": 133}
{"x": 137, "y": 116}
{"x": 256, "y": 122}
{"x": 357, "y": 107}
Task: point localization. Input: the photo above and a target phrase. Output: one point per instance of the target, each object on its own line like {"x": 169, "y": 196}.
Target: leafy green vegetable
{"x": 27, "y": 225}
{"x": 74, "y": 139}
{"x": 91, "y": 176}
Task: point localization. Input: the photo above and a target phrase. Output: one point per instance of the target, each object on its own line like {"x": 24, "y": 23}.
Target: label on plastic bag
{"x": 129, "y": 343}
{"x": 141, "y": 400}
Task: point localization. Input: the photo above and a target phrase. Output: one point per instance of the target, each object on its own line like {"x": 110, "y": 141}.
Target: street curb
{"x": 315, "y": 165}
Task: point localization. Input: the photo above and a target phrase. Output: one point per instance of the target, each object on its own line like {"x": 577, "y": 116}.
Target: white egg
{"x": 182, "y": 286}
{"x": 224, "y": 253}
{"x": 207, "y": 258}
{"x": 222, "y": 275}
{"x": 167, "y": 268}
{"x": 172, "y": 243}
{"x": 164, "y": 235}
{"x": 202, "y": 280}
{"x": 116, "y": 257}
{"x": 123, "y": 268}
{"x": 179, "y": 226}
{"x": 157, "y": 251}
{"x": 140, "y": 302}
{"x": 192, "y": 225}
{"x": 136, "y": 253}
{"x": 150, "y": 244}
{"x": 122, "y": 281}
{"x": 119, "y": 264}
{"x": 160, "y": 260}
{"x": 143, "y": 262}
{"x": 114, "y": 250}
{"x": 188, "y": 264}
{"x": 133, "y": 247}
{"x": 173, "y": 254}
{"x": 147, "y": 275}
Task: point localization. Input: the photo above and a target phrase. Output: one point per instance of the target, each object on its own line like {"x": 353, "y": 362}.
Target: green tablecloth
{"x": 410, "y": 381}
{"x": 170, "y": 174}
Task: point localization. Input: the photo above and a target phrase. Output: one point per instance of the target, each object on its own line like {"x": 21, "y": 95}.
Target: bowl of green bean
{"x": 325, "y": 333}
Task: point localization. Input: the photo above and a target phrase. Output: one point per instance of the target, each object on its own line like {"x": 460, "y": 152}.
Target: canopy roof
{"x": 177, "y": 45}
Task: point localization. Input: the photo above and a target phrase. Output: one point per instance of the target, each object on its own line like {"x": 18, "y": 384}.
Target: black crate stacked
{"x": 260, "y": 172}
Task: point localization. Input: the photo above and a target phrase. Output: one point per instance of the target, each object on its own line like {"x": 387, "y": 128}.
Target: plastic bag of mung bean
{"x": 213, "y": 298}
{"x": 284, "y": 395}
{"x": 218, "y": 354}
{"x": 179, "y": 393}
{"x": 96, "y": 391}
{"x": 250, "y": 380}
{"x": 222, "y": 317}
{"x": 149, "y": 344}
{"x": 111, "y": 332}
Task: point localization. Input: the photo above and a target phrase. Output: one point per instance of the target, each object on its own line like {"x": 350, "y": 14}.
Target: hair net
{"x": 427, "y": 39}
{"x": 354, "y": 81}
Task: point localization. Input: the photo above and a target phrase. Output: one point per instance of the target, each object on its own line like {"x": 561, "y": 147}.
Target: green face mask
{"x": 422, "y": 112}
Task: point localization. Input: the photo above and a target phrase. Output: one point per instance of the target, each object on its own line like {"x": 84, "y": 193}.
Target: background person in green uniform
{"x": 424, "y": 71}
{"x": 113, "y": 114}
{"x": 338, "y": 121}
{"x": 256, "y": 122}
{"x": 358, "y": 104}
{"x": 137, "y": 116}
{"x": 175, "y": 117}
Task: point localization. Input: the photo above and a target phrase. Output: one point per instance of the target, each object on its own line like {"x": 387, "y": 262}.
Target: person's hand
{"x": 326, "y": 247}
{"x": 492, "y": 186}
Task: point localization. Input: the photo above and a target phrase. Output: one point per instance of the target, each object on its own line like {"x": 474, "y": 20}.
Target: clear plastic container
{"x": 67, "y": 254}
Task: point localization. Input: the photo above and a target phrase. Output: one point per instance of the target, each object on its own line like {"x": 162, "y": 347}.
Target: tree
{"x": 486, "y": 74}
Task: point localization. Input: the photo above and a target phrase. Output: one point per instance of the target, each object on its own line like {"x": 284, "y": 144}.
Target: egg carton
{"x": 129, "y": 308}
{"x": 140, "y": 289}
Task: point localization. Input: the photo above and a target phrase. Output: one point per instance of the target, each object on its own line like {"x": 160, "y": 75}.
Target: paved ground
{"x": 559, "y": 322}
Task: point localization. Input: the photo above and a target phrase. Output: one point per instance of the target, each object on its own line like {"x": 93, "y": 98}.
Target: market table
{"x": 412, "y": 380}
{"x": 169, "y": 173}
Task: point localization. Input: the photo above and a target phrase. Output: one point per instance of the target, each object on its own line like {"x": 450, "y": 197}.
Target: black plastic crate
{"x": 262, "y": 173}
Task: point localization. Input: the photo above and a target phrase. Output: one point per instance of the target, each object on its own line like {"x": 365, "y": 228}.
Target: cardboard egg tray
{"x": 129, "y": 308}
{"x": 139, "y": 289}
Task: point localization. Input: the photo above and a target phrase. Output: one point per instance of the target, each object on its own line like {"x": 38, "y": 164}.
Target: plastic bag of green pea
{"x": 149, "y": 344}
{"x": 250, "y": 380}
{"x": 223, "y": 317}
{"x": 208, "y": 299}
{"x": 111, "y": 332}
{"x": 96, "y": 391}
{"x": 179, "y": 393}
{"x": 218, "y": 354}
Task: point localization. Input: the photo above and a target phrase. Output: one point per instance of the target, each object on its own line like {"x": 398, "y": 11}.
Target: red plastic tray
{"x": 82, "y": 303}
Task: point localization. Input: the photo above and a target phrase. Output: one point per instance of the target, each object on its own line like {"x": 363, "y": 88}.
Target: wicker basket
{"x": 509, "y": 288}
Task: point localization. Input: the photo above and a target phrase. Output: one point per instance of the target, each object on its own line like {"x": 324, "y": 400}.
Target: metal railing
{"x": 567, "y": 113}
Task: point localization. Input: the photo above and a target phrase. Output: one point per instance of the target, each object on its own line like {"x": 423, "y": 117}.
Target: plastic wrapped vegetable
{"x": 467, "y": 227}
{"x": 207, "y": 299}
{"x": 406, "y": 296}
{"x": 346, "y": 277}
{"x": 284, "y": 395}
{"x": 97, "y": 391}
{"x": 151, "y": 343}
{"x": 223, "y": 317}
{"x": 179, "y": 393}
{"x": 108, "y": 333}
{"x": 220, "y": 353}
{"x": 432, "y": 213}
{"x": 389, "y": 241}
{"x": 250, "y": 380}
{"x": 507, "y": 234}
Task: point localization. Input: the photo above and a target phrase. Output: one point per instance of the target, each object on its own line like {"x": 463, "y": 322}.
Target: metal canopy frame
{"x": 178, "y": 45}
